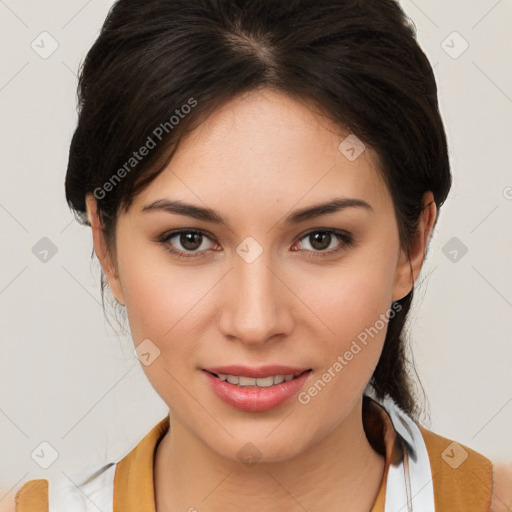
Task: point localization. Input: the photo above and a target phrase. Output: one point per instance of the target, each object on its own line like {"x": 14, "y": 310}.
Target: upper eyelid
{"x": 171, "y": 234}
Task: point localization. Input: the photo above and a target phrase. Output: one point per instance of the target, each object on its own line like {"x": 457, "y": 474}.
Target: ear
{"x": 409, "y": 265}
{"x": 101, "y": 250}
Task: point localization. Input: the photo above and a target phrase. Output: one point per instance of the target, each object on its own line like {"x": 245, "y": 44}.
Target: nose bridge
{"x": 254, "y": 310}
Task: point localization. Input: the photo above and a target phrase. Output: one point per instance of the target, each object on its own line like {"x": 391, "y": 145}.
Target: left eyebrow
{"x": 332, "y": 206}
{"x": 297, "y": 216}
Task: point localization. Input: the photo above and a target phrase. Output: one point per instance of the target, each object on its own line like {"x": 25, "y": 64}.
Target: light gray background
{"x": 69, "y": 380}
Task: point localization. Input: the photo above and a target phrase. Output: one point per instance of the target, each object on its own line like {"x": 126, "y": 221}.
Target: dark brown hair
{"x": 357, "y": 60}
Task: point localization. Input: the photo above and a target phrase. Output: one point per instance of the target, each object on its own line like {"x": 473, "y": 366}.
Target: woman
{"x": 262, "y": 179}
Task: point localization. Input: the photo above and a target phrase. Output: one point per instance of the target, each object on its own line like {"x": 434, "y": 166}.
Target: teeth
{"x": 264, "y": 382}
{"x": 246, "y": 381}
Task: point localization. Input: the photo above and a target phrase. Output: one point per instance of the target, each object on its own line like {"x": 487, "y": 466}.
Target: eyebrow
{"x": 301, "y": 215}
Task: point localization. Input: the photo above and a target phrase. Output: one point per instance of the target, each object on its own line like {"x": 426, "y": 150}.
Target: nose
{"x": 255, "y": 308}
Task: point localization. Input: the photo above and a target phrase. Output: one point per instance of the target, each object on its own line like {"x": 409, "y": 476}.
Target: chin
{"x": 260, "y": 447}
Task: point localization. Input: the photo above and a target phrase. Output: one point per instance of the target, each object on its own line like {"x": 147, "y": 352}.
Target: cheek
{"x": 355, "y": 304}
{"x": 160, "y": 296}
{"x": 164, "y": 304}
{"x": 355, "y": 295}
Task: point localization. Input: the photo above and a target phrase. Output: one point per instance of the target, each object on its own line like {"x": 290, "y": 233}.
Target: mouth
{"x": 258, "y": 382}
{"x": 267, "y": 388}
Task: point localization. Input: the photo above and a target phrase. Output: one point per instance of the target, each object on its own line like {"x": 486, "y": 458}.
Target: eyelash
{"x": 343, "y": 236}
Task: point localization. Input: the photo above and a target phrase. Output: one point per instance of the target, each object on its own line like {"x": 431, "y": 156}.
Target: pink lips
{"x": 253, "y": 398}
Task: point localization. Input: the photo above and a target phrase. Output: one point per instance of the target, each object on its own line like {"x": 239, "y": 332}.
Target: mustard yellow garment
{"x": 465, "y": 488}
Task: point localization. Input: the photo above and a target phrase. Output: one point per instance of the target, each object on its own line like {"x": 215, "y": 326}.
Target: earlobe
{"x": 409, "y": 265}
{"x": 101, "y": 250}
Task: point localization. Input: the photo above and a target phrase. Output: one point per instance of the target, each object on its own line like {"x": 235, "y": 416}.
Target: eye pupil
{"x": 190, "y": 240}
{"x": 320, "y": 238}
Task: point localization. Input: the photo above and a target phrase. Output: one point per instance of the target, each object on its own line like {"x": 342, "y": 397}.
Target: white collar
{"x": 409, "y": 486}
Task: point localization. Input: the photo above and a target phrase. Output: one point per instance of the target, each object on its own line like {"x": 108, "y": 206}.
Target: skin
{"x": 254, "y": 161}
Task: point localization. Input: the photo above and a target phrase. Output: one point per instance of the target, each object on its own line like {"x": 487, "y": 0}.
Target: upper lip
{"x": 260, "y": 372}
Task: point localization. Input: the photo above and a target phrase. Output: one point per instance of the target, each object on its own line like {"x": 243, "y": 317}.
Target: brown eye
{"x": 325, "y": 242}
{"x": 191, "y": 241}
{"x": 187, "y": 243}
{"x": 320, "y": 240}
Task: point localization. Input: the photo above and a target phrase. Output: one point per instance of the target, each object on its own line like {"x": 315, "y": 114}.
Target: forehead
{"x": 266, "y": 148}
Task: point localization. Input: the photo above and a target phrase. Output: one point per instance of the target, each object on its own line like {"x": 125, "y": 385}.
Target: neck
{"x": 341, "y": 468}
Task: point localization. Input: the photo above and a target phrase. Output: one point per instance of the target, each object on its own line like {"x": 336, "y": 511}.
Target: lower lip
{"x": 256, "y": 399}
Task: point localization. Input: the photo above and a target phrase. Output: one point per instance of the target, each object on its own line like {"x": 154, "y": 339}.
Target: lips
{"x": 256, "y": 398}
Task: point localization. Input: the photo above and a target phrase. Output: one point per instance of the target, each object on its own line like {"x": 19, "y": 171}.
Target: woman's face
{"x": 263, "y": 283}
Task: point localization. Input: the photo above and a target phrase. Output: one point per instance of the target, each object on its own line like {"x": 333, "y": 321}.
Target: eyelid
{"x": 345, "y": 237}
{"x": 165, "y": 238}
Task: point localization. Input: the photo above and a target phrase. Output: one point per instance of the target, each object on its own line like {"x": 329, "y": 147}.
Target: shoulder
{"x": 502, "y": 488}
{"x": 31, "y": 497}
{"x": 462, "y": 478}
{"x": 82, "y": 492}
{"x": 460, "y": 473}
{"x": 92, "y": 488}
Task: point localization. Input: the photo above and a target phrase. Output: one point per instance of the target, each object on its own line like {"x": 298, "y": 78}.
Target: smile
{"x": 256, "y": 394}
